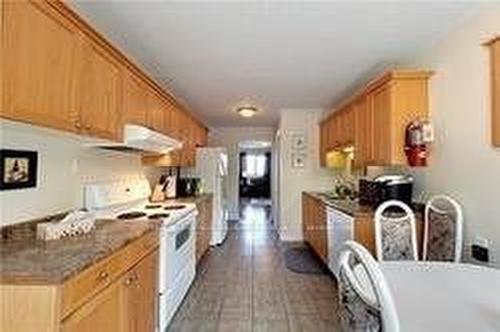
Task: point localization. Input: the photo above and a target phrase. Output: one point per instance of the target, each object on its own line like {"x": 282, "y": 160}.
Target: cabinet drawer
{"x": 79, "y": 289}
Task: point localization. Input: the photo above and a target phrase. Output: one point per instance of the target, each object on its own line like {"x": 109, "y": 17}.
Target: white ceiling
{"x": 275, "y": 55}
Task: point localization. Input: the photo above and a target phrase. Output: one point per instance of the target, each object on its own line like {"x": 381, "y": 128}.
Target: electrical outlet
{"x": 480, "y": 253}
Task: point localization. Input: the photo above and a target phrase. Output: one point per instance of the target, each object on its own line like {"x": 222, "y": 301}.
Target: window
{"x": 254, "y": 166}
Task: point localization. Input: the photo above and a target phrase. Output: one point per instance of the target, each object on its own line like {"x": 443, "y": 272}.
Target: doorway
{"x": 255, "y": 175}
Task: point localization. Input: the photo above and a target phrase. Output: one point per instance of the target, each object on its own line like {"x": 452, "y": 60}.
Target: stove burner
{"x": 159, "y": 215}
{"x": 152, "y": 206}
{"x": 131, "y": 215}
{"x": 175, "y": 207}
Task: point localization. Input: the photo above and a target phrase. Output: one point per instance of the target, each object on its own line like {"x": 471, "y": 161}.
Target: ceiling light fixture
{"x": 246, "y": 111}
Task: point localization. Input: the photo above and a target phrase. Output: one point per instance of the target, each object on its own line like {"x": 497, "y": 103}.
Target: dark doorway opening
{"x": 255, "y": 175}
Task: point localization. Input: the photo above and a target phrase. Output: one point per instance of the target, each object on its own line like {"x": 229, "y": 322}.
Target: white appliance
{"x": 211, "y": 167}
{"x": 340, "y": 228}
{"x": 128, "y": 201}
{"x": 141, "y": 140}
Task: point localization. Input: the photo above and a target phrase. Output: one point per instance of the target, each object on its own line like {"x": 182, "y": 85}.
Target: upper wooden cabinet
{"x": 495, "y": 90}
{"x": 374, "y": 120}
{"x": 60, "y": 73}
{"x": 135, "y": 100}
{"x": 99, "y": 91}
{"x": 40, "y": 51}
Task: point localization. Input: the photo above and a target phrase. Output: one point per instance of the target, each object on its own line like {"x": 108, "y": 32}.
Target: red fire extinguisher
{"x": 419, "y": 134}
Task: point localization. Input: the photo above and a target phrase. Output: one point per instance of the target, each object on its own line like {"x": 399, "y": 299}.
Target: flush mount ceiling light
{"x": 246, "y": 111}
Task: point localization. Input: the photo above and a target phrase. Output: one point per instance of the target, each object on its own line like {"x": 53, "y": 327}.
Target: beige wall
{"x": 64, "y": 167}
{"x": 293, "y": 181}
{"x": 464, "y": 163}
{"x": 230, "y": 138}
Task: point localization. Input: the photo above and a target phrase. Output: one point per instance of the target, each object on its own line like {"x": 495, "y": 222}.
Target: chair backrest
{"x": 443, "y": 226}
{"x": 365, "y": 300}
{"x": 395, "y": 232}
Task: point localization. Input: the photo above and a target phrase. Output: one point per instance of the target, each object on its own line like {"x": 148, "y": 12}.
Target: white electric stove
{"x": 128, "y": 201}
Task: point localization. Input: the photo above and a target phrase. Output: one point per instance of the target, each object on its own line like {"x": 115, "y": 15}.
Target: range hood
{"x": 139, "y": 139}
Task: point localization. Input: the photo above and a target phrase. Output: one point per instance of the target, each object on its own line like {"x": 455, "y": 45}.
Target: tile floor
{"x": 244, "y": 285}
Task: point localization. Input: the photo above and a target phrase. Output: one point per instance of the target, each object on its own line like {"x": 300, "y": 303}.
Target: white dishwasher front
{"x": 340, "y": 228}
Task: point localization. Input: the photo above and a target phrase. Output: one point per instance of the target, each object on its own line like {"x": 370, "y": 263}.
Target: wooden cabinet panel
{"x": 140, "y": 298}
{"x": 156, "y": 116}
{"x": 104, "y": 313}
{"x": 363, "y": 141}
{"x": 135, "y": 100}
{"x": 314, "y": 225}
{"x": 495, "y": 90}
{"x": 100, "y": 92}
{"x": 203, "y": 227}
{"x": 380, "y": 102}
{"x": 40, "y": 49}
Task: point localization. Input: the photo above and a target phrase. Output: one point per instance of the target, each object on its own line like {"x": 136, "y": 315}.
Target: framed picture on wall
{"x": 298, "y": 160}
{"x": 18, "y": 169}
{"x": 299, "y": 141}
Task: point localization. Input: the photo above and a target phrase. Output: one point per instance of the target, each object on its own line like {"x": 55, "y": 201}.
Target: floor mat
{"x": 303, "y": 260}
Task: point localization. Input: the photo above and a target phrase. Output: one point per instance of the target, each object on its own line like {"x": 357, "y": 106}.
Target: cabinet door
{"x": 363, "y": 140}
{"x": 141, "y": 293}
{"x": 321, "y": 241}
{"x": 380, "y": 101}
{"x": 306, "y": 218}
{"x": 155, "y": 115}
{"x": 100, "y": 92}
{"x": 104, "y": 313}
{"x": 135, "y": 102}
{"x": 323, "y": 141}
{"x": 39, "y": 56}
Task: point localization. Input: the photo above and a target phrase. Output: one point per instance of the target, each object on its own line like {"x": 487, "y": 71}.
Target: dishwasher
{"x": 340, "y": 228}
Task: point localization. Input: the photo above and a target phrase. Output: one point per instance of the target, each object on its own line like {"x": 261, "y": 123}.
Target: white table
{"x": 444, "y": 296}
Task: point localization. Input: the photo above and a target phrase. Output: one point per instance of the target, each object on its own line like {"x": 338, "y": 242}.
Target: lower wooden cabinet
{"x": 203, "y": 227}
{"x": 117, "y": 294}
{"x": 314, "y": 225}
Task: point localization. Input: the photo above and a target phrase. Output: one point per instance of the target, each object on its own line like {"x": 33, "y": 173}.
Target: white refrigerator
{"x": 211, "y": 167}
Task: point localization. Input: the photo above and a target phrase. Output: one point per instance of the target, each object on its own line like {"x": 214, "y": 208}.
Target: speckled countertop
{"x": 26, "y": 260}
{"x": 350, "y": 207}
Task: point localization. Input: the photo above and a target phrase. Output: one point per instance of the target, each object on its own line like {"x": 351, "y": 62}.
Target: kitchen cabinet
{"x": 58, "y": 72}
{"x": 117, "y": 293}
{"x": 140, "y": 294}
{"x": 105, "y": 312}
{"x": 314, "y": 226}
{"x": 363, "y": 133}
{"x": 158, "y": 113}
{"x": 135, "y": 100}
{"x": 380, "y": 102}
{"x": 99, "y": 93}
{"x": 40, "y": 52}
{"x": 374, "y": 119}
{"x": 203, "y": 226}
{"x": 494, "y": 46}
{"x": 128, "y": 304}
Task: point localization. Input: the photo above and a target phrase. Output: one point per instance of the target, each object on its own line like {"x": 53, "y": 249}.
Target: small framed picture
{"x": 298, "y": 160}
{"x": 18, "y": 169}
{"x": 299, "y": 141}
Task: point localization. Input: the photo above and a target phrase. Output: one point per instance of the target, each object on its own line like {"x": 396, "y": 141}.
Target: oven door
{"x": 179, "y": 250}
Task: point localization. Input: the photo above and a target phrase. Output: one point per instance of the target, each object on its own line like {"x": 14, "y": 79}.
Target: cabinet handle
{"x": 78, "y": 124}
{"x": 129, "y": 281}
{"x": 103, "y": 275}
